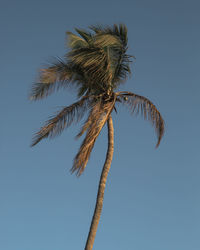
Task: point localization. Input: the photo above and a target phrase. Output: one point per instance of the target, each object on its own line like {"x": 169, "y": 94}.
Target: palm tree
{"x": 96, "y": 65}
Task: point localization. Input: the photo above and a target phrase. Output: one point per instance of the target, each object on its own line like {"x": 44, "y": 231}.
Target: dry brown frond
{"x": 58, "y": 75}
{"x": 63, "y": 119}
{"x": 92, "y": 115}
{"x": 95, "y": 122}
{"x": 141, "y": 104}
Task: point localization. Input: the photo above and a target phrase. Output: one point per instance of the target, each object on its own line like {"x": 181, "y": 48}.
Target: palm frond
{"x": 119, "y": 31}
{"x": 64, "y": 118}
{"x": 95, "y": 122}
{"x": 123, "y": 33}
{"x": 93, "y": 62}
{"x": 52, "y": 78}
{"x": 107, "y": 40}
{"x": 140, "y": 104}
{"x": 95, "y": 109}
{"x": 122, "y": 69}
{"x": 75, "y": 42}
{"x": 87, "y": 36}
{"x": 119, "y": 59}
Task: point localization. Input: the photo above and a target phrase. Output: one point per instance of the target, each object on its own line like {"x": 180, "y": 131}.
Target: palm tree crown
{"x": 96, "y": 64}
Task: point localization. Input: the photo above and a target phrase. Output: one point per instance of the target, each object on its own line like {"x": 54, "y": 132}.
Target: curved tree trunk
{"x": 102, "y": 184}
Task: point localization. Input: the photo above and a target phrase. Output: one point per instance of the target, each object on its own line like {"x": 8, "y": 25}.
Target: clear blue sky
{"x": 152, "y": 196}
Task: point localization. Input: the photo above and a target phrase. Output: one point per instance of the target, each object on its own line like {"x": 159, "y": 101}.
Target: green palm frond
{"x": 87, "y": 57}
{"x": 87, "y": 36}
{"x": 107, "y": 40}
{"x": 93, "y": 125}
{"x": 119, "y": 59}
{"x": 113, "y": 49}
{"x": 64, "y": 118}
{"x": 94, "y": 63}
{"x": 102, "y": 55}
{"x": 58, "y": 75}
{"x": 122, "y": 70}
{"x": 75, "y": 42}
{"x": 141, "y": 104}
{"x": 117, "y": 30}
{"x": 122, "y": 31}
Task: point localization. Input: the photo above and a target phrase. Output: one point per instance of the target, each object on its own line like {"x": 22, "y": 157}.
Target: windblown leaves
{"x": 91, "y": 117}
{"x": 102, "y": 55}
{"x": 75, "y": 42}
{"x": 117, "y": 31}
{"x": 94, "y": 63}
{"x": 51, "y": 79}
{"x": 97, "y": 62}
{"x": 107, "y": 40}
{"x": 87, "y": 36}
{"x": 93, "y": 125}
{"x": 122, "y": 70}
{"x": 63, "y": 119}
{"x": 140, "y": 104}
{"x": 120, "y": 59}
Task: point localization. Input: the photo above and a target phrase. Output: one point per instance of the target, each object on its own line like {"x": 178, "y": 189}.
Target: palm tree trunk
{"x": 102, "y": 184}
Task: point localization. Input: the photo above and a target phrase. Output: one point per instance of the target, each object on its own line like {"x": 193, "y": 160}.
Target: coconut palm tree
{"x": 96, "y": 65}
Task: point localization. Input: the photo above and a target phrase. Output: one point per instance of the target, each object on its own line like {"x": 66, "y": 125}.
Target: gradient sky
{"x": 152, "y": 196}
